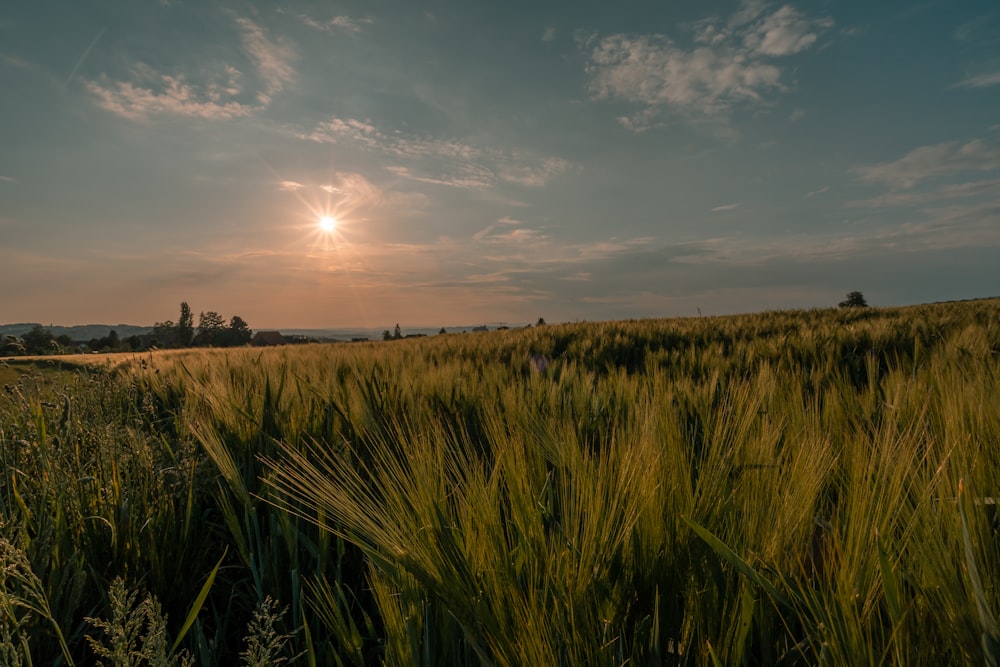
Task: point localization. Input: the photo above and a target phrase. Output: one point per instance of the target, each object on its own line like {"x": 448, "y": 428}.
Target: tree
{"x": 442, "y": 331}
{"x": 540, "y": 322}
{"x": 185, "y": 326}
{"x": 39, "y": 341}
{"x": 398, "y": 333}
{"x": 109, "y": 343}
{"x": 165, "y": 333}
{"x": 239, "y": 332}
{"x": 386, "y": 335}
{"x": 211, "y": 328}
{"x": 854, "y": 300}
{"x": 11, "y": 346}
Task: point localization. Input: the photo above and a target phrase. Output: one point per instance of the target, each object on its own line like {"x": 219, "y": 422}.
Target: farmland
{"x": 796, "y": 487}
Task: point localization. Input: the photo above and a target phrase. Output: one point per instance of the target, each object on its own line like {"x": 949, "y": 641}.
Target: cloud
{"x": 796, "y": 115}
{"x": 151, "y": 93}
{"x": 810, "y": 195}
{"x": 290, "y": 186}
{"x": 272, "y": 59}
{"x": 549, "y": 34}
{"x": 976, "y": 29}
{"x": 984, "y": 80}
{"x": 356, "y": 194}
{"x": 990, "y": 187}
{"x": 502, "y": 232}
{"x": 465, "y": 176}
{"x": 170, "y": 95}
{"x": 7, "y": 179}
{"x": 727, "y": 64}
{"x": 443, "y": 161}
{"x": 533, "y": 175}
{"x": 930, "y": 161}
{"x": 785, "y": 32}
{"x": 725, "y": 207}
{"x": 336, "y": 24}
{"x": 364, "y": 133}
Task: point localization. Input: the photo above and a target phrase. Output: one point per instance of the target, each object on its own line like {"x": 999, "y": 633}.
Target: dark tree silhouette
{"x": 185, "y": 326}
{"x": 39, "y": 341}
{"x": 211, "y": 327}
{"x": 11, "y": 345}
{"x": 238, "y": 333}
{"x": 165, "y": 333}
{"x": 854, "y": 300}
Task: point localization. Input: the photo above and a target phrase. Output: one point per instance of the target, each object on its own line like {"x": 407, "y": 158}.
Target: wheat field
{"x": 783, "y": 488}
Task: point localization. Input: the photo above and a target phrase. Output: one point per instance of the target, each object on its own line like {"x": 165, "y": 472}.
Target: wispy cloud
{"x": 728, "y": 63}
{"x": 290, "y": 186}
{"x": 366, "y": 134}
{"x": 352, "y": 194}
{"x": 983, "y": 80}
{"x": 814, "y": 193}
{"x": 926, "y": 162}
{"x": 535, "y": 174}
{"x": 984, "y": 188}
{"x": 508, "y": 230}
{"x": 272, "y": 59}
{"x": 337, "y": 24}
{"x": 465, "y": 176}
{"x": 783, "y": 33}
{"x": 443, "y": 161}
{"x": 7, "y": 179}
{"x": 151, "y": 93}
{"x": 83, "y": 57}
{"x": 725, "y": 207}
{"x": 549, "y": 34}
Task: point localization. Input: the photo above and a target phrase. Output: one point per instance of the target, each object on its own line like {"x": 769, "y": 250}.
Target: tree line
{"x": 212, "y": 331}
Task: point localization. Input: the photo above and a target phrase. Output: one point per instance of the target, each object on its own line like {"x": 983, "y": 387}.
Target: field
{"x": 785, "y": 488}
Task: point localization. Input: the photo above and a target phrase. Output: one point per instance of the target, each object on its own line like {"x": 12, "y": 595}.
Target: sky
{"x": 493, "y": 161}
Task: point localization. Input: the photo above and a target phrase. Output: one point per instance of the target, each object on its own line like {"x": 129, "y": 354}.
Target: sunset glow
{"x": 330, "y": 164}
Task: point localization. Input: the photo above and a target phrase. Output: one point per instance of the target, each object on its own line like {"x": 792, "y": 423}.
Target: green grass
{"x": 783, "y": 488}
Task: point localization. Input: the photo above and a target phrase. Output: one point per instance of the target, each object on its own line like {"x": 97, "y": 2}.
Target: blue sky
{"x": 493, "y": 161}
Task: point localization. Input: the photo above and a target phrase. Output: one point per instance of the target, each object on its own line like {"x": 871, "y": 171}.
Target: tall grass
{"x": 784, "y": 488}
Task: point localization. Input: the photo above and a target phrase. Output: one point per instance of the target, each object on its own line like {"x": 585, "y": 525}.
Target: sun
{"x": 327, "y": 223}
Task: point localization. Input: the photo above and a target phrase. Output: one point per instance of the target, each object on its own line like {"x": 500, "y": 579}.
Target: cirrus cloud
{"x": 441, "y": 161}
{"x": 952, "y": 157}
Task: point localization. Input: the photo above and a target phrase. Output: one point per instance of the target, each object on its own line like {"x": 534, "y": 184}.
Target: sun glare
{"x": 327, "y": 223}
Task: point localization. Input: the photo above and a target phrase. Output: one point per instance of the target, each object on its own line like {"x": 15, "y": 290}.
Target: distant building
{"x": 266, "y": 338}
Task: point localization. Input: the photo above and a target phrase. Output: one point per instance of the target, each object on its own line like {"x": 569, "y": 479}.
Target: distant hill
{"x": 80, "y": 332}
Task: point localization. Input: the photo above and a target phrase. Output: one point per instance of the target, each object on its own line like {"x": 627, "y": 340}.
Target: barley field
{"x": 783, "y": 488}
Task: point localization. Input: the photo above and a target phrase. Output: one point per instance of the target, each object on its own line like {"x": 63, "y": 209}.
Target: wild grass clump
{"x": 785, "y": 488}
